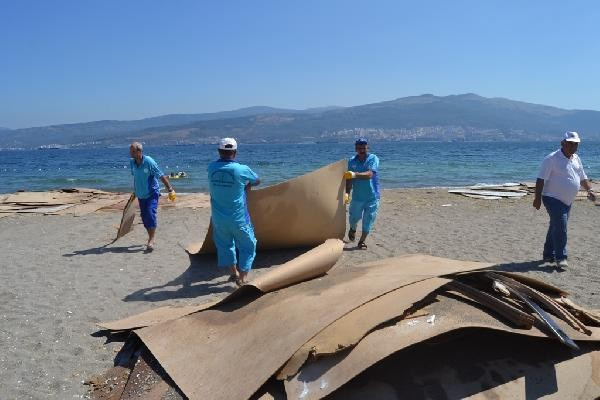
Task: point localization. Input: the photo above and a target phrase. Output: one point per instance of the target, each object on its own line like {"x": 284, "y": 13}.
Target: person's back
{"x": 227, "y": 181}
{"x": 231, "y": 223}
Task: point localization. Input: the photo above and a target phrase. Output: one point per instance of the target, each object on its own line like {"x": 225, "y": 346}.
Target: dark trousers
{"x": 556, "y": 238}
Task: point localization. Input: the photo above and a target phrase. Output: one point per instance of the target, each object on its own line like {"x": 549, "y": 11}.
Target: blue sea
{"x": 402, "y": 164}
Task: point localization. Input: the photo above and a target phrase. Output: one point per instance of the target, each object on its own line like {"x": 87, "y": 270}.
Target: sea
{"x": 407, "y": 164}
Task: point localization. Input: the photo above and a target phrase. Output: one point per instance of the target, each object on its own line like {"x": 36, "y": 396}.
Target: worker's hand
{"x": 591, "y": 195}
{"x": 349, "y": 175}
{"x": 172, "y": 195}
{"x": 346, "y": 198}
{"x": 537, "y": 202}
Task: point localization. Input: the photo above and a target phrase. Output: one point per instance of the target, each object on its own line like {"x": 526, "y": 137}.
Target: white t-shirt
{"x": 562, "y": 176}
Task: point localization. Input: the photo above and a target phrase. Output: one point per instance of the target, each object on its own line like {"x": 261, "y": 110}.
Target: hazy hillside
{"x": 426, "y": 117}
{"x": 88, "y": 132}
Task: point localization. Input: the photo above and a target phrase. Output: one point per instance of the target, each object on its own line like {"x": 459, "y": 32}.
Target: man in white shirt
{"x": 558, "y": 182}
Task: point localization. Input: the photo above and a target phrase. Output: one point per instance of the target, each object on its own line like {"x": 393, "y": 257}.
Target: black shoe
{"x": 351, "y": 234}
{"x": 549, "y": 259}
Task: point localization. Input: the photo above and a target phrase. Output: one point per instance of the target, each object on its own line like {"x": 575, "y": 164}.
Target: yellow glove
{"x": 346, "y": 198}
{"x": 172, "y": 195}
{"x": 349, "y": 175}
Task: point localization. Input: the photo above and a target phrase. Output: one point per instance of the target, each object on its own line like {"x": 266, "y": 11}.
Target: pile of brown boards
{"x": 488, "y": 192}
{"x": 510, "y": 190}
{"x": 414, "y": 326}
{"x": 82, "y": 201}
{"x": 75, "y": 201}
{"x": 581, "y": 195}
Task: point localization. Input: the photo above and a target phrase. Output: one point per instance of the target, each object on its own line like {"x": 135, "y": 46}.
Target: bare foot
{"x": 233, "y": 274}
{"x": 242, "y": 278}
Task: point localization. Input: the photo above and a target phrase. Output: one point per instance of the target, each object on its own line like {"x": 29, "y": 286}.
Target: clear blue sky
{"x": 84, "y": 60}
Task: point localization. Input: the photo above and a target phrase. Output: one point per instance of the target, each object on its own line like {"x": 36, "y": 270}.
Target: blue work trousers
{"x": 227, "y": 237}
{"x": 365, "y": 210}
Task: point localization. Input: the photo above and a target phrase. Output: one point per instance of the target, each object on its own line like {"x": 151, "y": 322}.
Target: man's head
{"x": 135, "y": 150}
{"x": 570, "y": 143}
{"x": 227, "y": 148}
{"x": 361, "y": 146}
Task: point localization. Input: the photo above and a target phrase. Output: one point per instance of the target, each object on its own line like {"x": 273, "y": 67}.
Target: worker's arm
{"x": 349, "y": 175}
{"x": 170, "y": 189}
{"x": 250, "y": 184}
{"x": 364, "y": 175}
{"x": 539, "y": 187}
{"x": 167, "y": 183}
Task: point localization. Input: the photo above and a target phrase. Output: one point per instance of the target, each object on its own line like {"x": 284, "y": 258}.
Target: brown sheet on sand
{"x": 46, "y": 210}
{"x": 197, "y": 350}
{"x": 303, "y": 211}
{"x": 311, "y": 264}
{"x": 156, "y": 316}
{"x": 80, "y": 210}
{"x": 325, "y": 375}
{"x": 350, "y": 329}
{"x": 126, "y": 225}
{"x": 47, "y": 198}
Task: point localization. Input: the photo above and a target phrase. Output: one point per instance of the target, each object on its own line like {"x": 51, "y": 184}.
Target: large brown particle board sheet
{"x": 350, "y": 329}
{"x": 311, "y": 264}
{"x": 198, "y": 351}
{"x": 322, "y": 377}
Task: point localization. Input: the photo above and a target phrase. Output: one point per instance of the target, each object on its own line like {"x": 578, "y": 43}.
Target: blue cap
{"x": 361, "y": 140}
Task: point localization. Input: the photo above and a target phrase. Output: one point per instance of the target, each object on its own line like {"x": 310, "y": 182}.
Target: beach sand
{"x": 58, "y": 280}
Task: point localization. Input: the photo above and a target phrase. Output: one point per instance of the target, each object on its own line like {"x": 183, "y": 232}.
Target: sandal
{"x": 232, "y": 278}
{"x": 352, "y": 234}
{"x": 361, "y": 245}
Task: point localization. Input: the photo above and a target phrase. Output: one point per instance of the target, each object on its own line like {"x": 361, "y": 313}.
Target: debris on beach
{"x": 492, "y": 192}
{"x": 509, "y": 190}
{"x": 82, "y": 201}
{"x": 412, "y": 326}
{"x": 409, "y": 326}
{"x": 74, "y": 201}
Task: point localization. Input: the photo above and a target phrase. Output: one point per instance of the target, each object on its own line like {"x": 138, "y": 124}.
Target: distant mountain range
{"x": 466, "y": 117}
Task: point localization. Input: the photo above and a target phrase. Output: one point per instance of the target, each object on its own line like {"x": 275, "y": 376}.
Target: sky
{"x": 83, "y": 60}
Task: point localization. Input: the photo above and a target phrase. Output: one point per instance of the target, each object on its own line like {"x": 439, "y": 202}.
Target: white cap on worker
{"x": 572, "y": 137}
{"x": 227, "y": 144}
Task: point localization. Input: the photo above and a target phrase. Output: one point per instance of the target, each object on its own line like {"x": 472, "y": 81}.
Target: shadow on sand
{"x": 204, "y": 277}
{"x": 105, "y": 249}
{"x": 530, "y": 266}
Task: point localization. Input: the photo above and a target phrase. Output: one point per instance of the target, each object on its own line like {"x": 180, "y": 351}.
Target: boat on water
{"x": 178, "y": 175}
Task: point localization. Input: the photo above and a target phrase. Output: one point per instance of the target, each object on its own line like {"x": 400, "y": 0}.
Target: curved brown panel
{"x": 304, "y": 211}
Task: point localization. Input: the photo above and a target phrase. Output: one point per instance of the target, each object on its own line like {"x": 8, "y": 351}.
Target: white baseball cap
{"x": 227, "y": 144}
{"x": 572, "y": 137}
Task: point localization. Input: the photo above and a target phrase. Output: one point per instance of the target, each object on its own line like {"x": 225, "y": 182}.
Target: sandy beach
{"x": 59, "y": 279}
